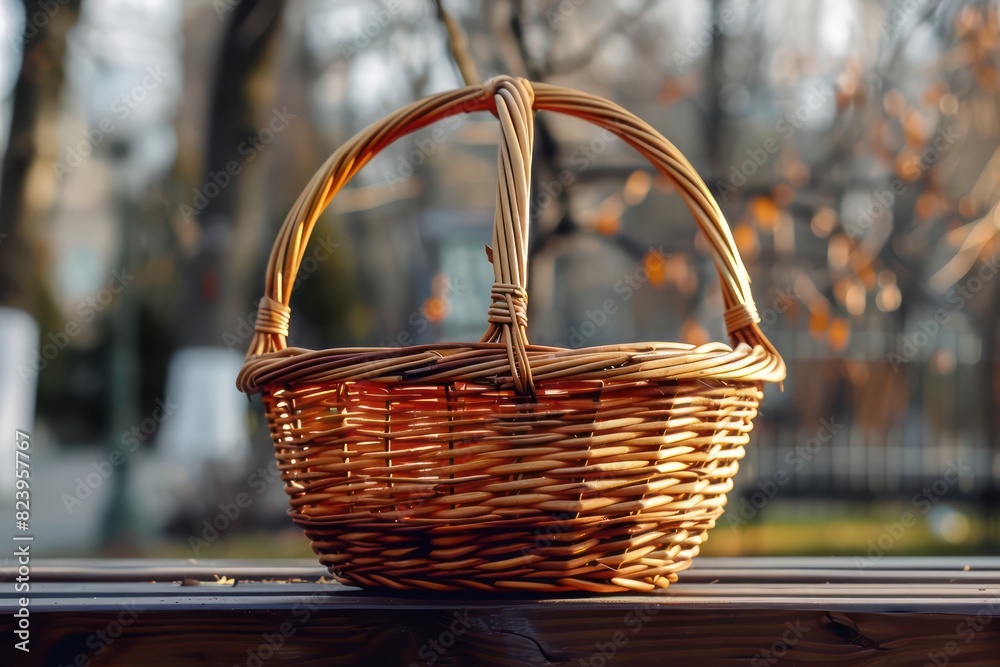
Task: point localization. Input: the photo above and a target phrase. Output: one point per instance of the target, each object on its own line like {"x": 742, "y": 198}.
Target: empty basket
{"x": 501, "y": 465}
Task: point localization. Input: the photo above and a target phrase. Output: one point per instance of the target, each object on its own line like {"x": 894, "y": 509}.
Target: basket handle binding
{"x": 511, "y": 100}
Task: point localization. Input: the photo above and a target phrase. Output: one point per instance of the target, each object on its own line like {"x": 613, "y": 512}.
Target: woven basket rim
{"x": 651, "y": 360}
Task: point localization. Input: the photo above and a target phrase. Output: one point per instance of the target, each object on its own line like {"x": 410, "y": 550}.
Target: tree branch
{"x": 458, "y": 44}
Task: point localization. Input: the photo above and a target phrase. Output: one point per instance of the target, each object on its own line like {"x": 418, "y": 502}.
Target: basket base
{"x": 632, "y": 554}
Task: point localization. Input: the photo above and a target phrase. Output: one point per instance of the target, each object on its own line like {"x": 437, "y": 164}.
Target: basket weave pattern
{"x": 501, "y": 465}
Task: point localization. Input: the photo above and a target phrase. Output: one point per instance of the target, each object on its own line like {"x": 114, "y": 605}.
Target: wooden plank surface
{"x": 727, "y": 611}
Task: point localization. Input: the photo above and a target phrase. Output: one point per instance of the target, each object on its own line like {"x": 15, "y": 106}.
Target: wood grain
{"x": 722, "y": 612}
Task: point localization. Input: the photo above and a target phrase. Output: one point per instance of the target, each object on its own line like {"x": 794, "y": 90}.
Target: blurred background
{"x": 152, "y": 149}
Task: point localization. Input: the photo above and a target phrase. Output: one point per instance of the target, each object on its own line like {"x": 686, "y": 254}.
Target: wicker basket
{"x": 500, "y": 465}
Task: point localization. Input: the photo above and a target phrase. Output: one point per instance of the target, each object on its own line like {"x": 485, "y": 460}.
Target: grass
{"x": 889, "y": 529}
{"x": 785, "y": 529}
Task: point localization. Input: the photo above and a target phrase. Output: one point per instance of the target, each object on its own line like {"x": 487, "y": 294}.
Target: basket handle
{"x": 511, "y": 100}
{"x": 508, "y": 313}
{"x": 741, "y": 316}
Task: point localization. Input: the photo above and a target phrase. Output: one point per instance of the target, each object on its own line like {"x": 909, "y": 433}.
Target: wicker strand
{"x": 741, "y": 316}
{"x": 273, "y": 317}
{"x": 510, "y": 305}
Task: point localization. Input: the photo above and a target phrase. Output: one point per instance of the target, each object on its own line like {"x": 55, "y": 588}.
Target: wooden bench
{"x": 724, "y": 611}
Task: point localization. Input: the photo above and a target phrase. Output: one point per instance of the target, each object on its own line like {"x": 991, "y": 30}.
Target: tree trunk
{"x": 231, "y": 122}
